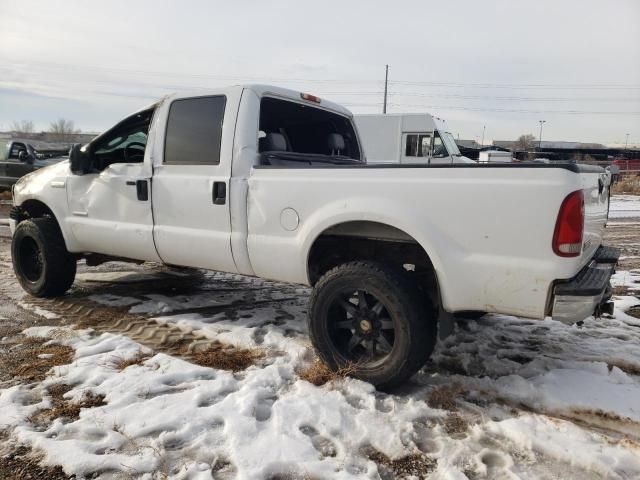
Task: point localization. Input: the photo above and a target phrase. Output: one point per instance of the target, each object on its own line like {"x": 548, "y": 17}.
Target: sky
{"x": 493, "y": 65}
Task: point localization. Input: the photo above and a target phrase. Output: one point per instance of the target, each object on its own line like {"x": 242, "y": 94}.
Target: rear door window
{"x": 194, "y": 131}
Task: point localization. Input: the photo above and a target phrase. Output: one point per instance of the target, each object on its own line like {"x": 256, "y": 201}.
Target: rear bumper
{"x": 587, "y": 293}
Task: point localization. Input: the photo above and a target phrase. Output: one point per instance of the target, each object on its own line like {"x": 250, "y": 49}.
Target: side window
{"x": 126, "y": 142}
{"x": 16, "y": 148}
{"x": 439, "y": 149}
{"x": 417, "y": 145}
{"x": 411, "y": 149}
{"x": 194, "y": 131}
{"x": 425, "y": 145}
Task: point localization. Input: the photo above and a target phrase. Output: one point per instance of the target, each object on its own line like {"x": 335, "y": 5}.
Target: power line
{"x": 85, "y": 68}
{"x": 507, "y": 110}
{"x": 517, "y": 98}
{"x": 551, "y": 86}
{"x": 452, "y": 84}
{"x": 499, "y": 110}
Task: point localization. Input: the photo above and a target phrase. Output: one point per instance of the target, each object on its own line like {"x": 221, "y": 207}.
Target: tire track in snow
{"x": 165, "y": 337}
{"x": 162, "y": 337}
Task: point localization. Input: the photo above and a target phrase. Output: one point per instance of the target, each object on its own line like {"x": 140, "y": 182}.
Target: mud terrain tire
{"x": 405, "y": 320}
{"x": 40, "y": 258}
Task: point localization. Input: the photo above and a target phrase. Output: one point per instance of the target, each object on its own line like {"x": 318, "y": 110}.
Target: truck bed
{"x": 487, "y": 228}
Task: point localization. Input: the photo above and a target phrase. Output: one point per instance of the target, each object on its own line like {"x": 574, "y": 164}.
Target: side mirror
{"x": 24, "y": 157}
{"x": 78, "y": 160}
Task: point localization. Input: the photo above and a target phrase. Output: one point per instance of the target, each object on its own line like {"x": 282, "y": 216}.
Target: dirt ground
{"x": 625, "y": 235}
{"x": 23, "y": 361}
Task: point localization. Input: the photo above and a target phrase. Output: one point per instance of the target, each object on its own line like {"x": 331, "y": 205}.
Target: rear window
{"x": 194, "y": 131}
{"x": 306, "y": 129}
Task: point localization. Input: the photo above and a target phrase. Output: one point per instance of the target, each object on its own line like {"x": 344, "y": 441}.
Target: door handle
{"x": 219, "y": 193}
{"x": 142, "y": 189}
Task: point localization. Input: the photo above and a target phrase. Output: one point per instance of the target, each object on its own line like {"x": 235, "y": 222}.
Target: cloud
{"x": 109, "y": 58}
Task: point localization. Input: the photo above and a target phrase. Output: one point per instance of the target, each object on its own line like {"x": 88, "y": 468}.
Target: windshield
{"x": 450, "y": 143}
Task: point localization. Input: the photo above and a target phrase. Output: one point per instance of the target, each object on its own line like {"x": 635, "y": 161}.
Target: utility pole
{"x": 626, "y": 153}
{"x": 540, "y": 136}
{"x": 484, "y": 127}
{"x": 386, "y": 83}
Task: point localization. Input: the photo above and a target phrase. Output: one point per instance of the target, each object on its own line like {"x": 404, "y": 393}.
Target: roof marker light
{"x": 310, "y": 98}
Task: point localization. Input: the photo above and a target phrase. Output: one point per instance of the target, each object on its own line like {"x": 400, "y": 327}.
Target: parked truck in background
{"x": 269, "y": 182}
{"x": 19, "y": 157}
{"x": 408, "y": 138}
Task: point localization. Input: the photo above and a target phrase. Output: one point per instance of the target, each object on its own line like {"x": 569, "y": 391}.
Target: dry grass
{"x": 226, "y": 357}
{"x": 626, "y": 367}
{"x": 454, "y": 423}
{"x": 120, "y": 363}
{"x": 414, "y": 465}
{"x": 444, "y": 397}
{"x": 5, "y": 195}
{"x": 628, "y": 184}
{"x": 634, "y": 312}
{"x": 63, "y": 408}
{"x": 318, "y": 373}
{"x": 21, "y": 462}
{"x": 31, "y": 359}
{"x": 620, "y": 290}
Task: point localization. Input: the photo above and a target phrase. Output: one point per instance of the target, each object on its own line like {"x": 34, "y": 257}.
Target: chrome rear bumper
{"x": 587, "y": 293}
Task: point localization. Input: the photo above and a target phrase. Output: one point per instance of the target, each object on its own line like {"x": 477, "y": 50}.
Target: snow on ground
{"x": 167, "y": 415}
{"x": 624, "y": 206}
{"x": 536, "y": 399}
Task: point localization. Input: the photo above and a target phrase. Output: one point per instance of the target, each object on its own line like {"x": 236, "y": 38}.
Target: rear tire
{"x": 40, "y": 258}
{"x": 383, "y": 339}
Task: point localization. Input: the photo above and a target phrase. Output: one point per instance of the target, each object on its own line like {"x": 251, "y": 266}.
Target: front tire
{"x": 40, "y": 258}
{"x": 371, "y": 320}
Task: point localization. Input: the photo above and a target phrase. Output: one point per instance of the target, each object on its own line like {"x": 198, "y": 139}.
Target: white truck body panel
{"x": 483, "y": 261}
{"x": 495, "y": 156}
{"x": 487, "y": 229}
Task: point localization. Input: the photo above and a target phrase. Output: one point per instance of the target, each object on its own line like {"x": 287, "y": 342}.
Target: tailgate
{"x": 595, "y": 183}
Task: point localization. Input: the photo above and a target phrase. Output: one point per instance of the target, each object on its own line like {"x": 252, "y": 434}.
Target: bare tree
{"x": 63, "y": 130}
{"x": 23, "y": 128}
{"x": 525, "y": 142}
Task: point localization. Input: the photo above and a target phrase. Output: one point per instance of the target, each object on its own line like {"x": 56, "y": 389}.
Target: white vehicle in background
{"x": 269, "y": 182}
{"x": 411, "y": 138}
{"x": 495, "y": 156}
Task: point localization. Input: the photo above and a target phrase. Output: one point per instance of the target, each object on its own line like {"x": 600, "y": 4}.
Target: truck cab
{"x": 408, "y": 138}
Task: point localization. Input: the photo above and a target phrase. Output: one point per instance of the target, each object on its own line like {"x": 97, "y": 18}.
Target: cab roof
{"x": 264, "y": 90}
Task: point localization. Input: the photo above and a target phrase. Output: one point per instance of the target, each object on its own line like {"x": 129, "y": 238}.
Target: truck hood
{"x": 46, "y": 162}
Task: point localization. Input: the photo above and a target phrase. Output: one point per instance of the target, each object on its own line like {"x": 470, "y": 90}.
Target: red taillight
{"x": 567, "y": 237}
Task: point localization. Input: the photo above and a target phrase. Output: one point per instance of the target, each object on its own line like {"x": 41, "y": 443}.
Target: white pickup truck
{"x": 269, "y": 182}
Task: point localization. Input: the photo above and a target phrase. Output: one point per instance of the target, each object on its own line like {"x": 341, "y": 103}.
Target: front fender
{"x": 47, "y": 186}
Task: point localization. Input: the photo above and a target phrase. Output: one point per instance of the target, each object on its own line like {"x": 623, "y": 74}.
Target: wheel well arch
{"x": 372, "y": 240}
{"x": 33, "y": 208}
{"x": 36, "y": 209}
